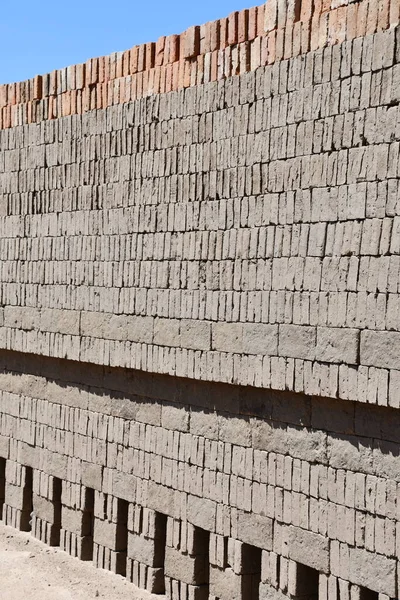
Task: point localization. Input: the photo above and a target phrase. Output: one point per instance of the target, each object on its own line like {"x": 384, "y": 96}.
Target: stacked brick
{"x": 234, "y": 45}
{"x": 200, "y": 307}
{"x": 201, "y": 490}
{"x": 241, "y": 231}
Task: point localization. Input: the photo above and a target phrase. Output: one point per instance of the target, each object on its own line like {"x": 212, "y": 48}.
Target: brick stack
{"x": 199, "y": 307}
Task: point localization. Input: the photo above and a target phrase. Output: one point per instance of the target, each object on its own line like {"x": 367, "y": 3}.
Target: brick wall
{"x": 242, "y": 231}
{"x": 202, "y": 489}
{"x": 199, "y": 307}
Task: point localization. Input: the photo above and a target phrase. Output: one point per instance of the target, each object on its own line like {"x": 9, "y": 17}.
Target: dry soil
{"x": 30, "y": 570}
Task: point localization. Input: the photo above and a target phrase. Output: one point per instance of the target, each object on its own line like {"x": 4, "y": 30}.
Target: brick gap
{"x": 122, "y": 534}
{"x": 160, "y": 542}
{"x": 27, "y": 512}
{"x": 2, "y": 484}
{"x": 252, "y": 572}
{"x": 366, "y": 594}
{"x": 56, "y": 530}
{"x": 88, "y": 523}
{"x": 307, "y": 584}
{"x": 202, "y": 552}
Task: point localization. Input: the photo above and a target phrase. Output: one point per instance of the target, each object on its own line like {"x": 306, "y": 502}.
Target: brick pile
{"x": 199, "y": 307}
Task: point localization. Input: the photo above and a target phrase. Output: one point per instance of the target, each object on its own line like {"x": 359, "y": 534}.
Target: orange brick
{"x": 351, "y": 21}
{"x": 252, "y": 26}
{"x": 296, "y": 44}
{"x": 306, "y": 10}
{"x": 163, "y": 72}
{"x": 157, "y": 78}
{"x": 326, "y": 5}
{"x": 3, "y": 95}
{"x": 150, "y": 55}
{"x": 223, "y": 33}
{"x": 383, "y": 14}
{"x": 314, "y": 39}
{"x": 233, "y": 28}
{"x": 172, "y": 48}
{"x": 159, "y": 54}
{"x": 125, "y": 63}
{"x": 214, "y": 35}
{"x": 175, "y": 74}
{"x": 168, "y": 78}
{"x": 141, "y": 57}
{"x": 133, "y": 67}
{"x": 243, "y": 26}
{"x": 362, "y": 14}
{"x": 53, "y": 83}
{"x": 261, "y": 20}
{"x": 134, "y": 87}
{"x": 288, "y": 43}
{"x": 200, "y": 69}
{"x": 37, "y": 87}
{"x": 191, "y": 42}
{"x": 372, "y": 17}
{"x": 186, "y": 74}
{"x": 271, "y": 15}
{"x": 323, "y": 30}
{"x": 119, "y": 66}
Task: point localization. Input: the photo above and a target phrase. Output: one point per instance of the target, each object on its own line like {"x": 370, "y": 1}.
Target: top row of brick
{"x": 236, "y": 44}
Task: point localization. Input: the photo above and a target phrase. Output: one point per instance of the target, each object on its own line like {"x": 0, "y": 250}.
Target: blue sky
{"x": 37, "y": 37}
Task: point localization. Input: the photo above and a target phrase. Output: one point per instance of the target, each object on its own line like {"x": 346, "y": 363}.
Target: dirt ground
{"x": 30, "y": 570}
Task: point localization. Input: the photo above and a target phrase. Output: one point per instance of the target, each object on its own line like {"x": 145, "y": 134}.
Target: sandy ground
{"x": 30, "y": 570}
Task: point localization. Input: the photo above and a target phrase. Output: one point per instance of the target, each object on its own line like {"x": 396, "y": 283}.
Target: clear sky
{"x": 37, "y": 37}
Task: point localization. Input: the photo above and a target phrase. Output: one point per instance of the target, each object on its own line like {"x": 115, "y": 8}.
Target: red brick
{"x": 163, "y": 72}
{"x": 119, "y": 65}
{"x": 160, "y": 48}
{"x": 141, "y": 58}
{"x": 362, "y": 14}
{"x": 53, "y": 83}
{"x": 133, "y": 68}
{"x": 252, "y": 26}
{"x": 126, "y": 59}
{"x": 351, "y": 21}
{"x": 172, "y": 48}
{"x": 3, "y": 95}
{"x": 102, "y": 69}
{"x": 271, "y": 15}
{"x": 296, "y": 43}
{"x": 243, "y": 26}
{"x": 383, "y": 14}
{"x": 214, "y": 36}
{"x": 306, "y": 10}
{"x": 233, "y": 28}
{"x": 37, "y": 87}
{"x": 223, "y": 33}
{"x": 191, "y": 42}
{"x": 261, "y": 19}
{"x": 372, "y": 17}
{"x": 200, "y": 69}
{"x": 150, "y": 55}
{"x": 288, "y": 43}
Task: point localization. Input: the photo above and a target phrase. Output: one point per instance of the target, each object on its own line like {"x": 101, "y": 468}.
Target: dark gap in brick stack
{"x": 122, "y": 537}
{"x": 27, "y": 500}
{"x": 56, "y": 526}
{"x": 251, "y": 572}
{"x": 88, "y": 525}
{"x": 307, "y": 585}
{"x": 2, "y": 484}
{"x": 160, "y": 542}
{"x": 202, "y": 552}
{"x": 366, "y": 594}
